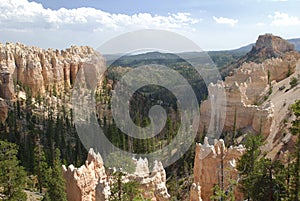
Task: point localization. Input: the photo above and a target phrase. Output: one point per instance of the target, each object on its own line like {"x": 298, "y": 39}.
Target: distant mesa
{"x": 266, "y": 47}
{"x": 269, "y": 46}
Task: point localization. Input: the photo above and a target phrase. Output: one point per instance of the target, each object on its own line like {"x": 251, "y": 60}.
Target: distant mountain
{"x": 247, "y": 48}
{"x": 221, "y": 58}
{"x": 296, "y": 42}
{"x": 143, "y": 59}
{"x": 244, "y": 49}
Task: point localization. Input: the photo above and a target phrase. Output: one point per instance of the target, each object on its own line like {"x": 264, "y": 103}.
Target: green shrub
{"x": 294, "y": 82}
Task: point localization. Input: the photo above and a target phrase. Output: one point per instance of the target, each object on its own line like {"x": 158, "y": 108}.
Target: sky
{"x": 211, "y": 24}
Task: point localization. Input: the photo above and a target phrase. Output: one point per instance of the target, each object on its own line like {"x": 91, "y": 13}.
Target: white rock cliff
{"x": 91, "y": 183}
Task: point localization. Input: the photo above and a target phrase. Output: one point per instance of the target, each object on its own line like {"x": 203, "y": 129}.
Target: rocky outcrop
{"x": 38, "y": 69}
{"x": 266, "y": 47}
{"x": 270, "y": 46}
{"x": 246, "y": 91}
{"x": 91, "y": 183}
{"x": 153, "y": 184}
{"x": 214, "y": 164}
{"x": 6, "y": 84}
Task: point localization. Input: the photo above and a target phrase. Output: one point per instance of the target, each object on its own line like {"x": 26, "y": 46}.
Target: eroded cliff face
{"x": 91, "y": 183}
{"x": 247, "y": 91}
{"x": 268, "y": 46}
{"x": 258, "y": 96}
{"x": 38, "y": 69}
{"x": 212, "y": 163}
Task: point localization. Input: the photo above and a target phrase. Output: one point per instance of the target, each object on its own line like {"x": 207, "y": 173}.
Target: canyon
{"x": 258, "y": 97}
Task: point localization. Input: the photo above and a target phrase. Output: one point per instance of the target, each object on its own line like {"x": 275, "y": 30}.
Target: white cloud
{"x": 283, "y": 19}
{"x": 260, "y": 24}
{"x": 24, "y": 15}
{"x": 224, "y": 20}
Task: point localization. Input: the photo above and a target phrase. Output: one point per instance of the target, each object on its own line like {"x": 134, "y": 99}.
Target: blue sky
{"x": 212, "y": 24}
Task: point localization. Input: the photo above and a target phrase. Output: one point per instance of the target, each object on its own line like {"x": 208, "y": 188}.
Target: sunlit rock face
{"x": 51, "y": 74}
{"x": 269, "y": 45}
{"x": 207, "y": 168}
{"x": 248, "y": 88}
{"x": 88, "y": 182}
{"x": 38, "y": 69}
{"x": 91, "y": 183}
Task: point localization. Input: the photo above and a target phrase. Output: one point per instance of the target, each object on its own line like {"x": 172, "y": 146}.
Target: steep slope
{"x": 249, "y": 87}
{"x": 283, "y": 95}
{"x": 258, "y": 96}
{"x": 3, "y": 110}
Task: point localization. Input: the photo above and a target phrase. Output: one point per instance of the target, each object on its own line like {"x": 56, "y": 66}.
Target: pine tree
{"x": 128, "y": 191}
{"x": 40, "y": 167}
{"x": 261, "y": 178}
{"x": 295, "y": 173}
{"x": 247, "y": 163}
{"x": 12, "y": 176}
{"x": 268, "y": 181}
{"x": 224, "y": 195}
{"x": 56, "y": 183}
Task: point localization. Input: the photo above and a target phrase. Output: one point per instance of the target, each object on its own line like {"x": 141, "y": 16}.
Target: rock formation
{"x": 258, "y": 95}
{"x": 208, "y": 169}
{"x": 269, "y": 46}
{"x": 39, "y": 69}
{"x": 91, "y": 183}
{"x": 153, "y": 183}
{"x": 48, "y": 73}
{"x": 247, "y": 90}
